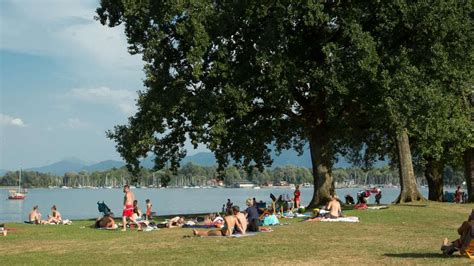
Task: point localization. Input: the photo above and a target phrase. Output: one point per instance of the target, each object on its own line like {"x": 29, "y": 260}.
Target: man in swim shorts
{"x": 334, "y": 208}
{"x": 128, "y": 208}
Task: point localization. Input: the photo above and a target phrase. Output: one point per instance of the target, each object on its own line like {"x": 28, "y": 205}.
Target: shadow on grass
{"x": 410, "y": 205}
{"x": 415, "y": 255}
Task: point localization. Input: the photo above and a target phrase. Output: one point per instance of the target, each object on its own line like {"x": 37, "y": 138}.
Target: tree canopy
{"x": 242, "y": 77}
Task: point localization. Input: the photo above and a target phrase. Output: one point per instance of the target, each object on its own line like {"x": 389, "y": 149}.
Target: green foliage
{"x": 195, "y": 175}
{"x": 424, "y": 77}
{"x": 240, "y": 76}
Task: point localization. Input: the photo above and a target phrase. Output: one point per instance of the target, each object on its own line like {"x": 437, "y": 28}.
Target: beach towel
{"x": 348, "y": 219}
{"x": 377, "y": 207}
{"x": 242, "y": 235}
{"x": 205, "y": 226}
{"x": 270, "y": 220}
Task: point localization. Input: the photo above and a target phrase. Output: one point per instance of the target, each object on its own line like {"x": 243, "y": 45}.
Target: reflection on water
{"x": 82, "y": 203}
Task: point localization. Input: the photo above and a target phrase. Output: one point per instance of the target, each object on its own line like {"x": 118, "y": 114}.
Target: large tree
{"x": 242, "y": 77}
{"x": 426, "y": 55}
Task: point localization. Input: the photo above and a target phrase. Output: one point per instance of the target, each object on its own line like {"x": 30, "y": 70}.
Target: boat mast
{"x": 19, "y": 182}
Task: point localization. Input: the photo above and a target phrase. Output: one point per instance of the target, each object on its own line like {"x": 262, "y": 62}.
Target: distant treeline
{"x": 195, "y": 175}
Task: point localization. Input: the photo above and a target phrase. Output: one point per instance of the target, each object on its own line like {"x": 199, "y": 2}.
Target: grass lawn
{"x": 406, "y": 234}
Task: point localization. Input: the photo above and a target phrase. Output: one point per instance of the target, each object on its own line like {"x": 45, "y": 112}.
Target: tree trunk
{"x": 434, "y": 177}
{"x": 321, "y": 159}
{"x": 408, "y": 187}
{"x": 469, "y": 173}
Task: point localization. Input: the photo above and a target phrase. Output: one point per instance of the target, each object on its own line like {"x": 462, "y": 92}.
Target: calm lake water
{"x": 82, "y": 203}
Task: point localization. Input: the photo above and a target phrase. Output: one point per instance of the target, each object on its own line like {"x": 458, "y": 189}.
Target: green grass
{"x": 407, "y": 234}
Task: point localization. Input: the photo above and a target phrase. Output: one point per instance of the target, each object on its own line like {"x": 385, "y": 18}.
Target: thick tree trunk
{"x": 408, "y": 187}
{"x": 434, "y": 176}
{"x": 321, "y": 159}
{"x": 469, "y": 173}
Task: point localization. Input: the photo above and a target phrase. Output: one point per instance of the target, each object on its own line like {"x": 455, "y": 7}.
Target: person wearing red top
{"x": 457, "y": 195}
{"x": 297, "y": 197}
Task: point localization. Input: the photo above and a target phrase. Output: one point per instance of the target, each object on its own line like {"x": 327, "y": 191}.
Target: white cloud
{"x": 64, "y": 29}
{"x": 121, "y": 99}
{"x": 11, "y": 121}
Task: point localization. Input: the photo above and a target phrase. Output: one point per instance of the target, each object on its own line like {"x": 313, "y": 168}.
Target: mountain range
{"x": 287, "y": 157}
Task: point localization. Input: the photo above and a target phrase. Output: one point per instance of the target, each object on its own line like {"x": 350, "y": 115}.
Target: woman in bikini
{"x": 55, "y": 217}
{"x": 229, "y": 223}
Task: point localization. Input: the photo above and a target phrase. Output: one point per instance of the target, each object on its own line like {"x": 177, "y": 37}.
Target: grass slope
{"x": 407, "y": 234}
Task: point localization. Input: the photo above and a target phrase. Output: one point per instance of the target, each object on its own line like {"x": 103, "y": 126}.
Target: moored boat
{"x": 17, "y": 194}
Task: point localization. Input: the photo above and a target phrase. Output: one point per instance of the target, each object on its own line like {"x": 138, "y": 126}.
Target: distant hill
{"x": 287, "y": 157}
{"x": 105, "y": 165}
{"x": 61, "y": 167}
{"x": 76, "y": 165}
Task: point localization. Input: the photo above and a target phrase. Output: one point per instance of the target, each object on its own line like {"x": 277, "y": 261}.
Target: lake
{"x": 82, "y": 203}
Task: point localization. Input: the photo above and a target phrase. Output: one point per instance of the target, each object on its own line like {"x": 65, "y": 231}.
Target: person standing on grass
{"x": 378, "y": 196}
{"x": 128, "y": 208}
{"x": 148, "y": 209}
{"x": 229, "y": 205}
{"x": 457, "y": 195}
{"x": 297, "y": 197}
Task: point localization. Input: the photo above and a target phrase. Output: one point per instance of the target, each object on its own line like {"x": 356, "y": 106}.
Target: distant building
{"x": 280, "y": 184}
{"x": 268, "y": 184}
{"x": 244, "y": 184}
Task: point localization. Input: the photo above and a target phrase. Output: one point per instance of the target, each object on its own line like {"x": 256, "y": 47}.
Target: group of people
{"x": 332, "y": 210}
{"x": 35, "y": 217}
{"x": 131, "y": 211}
{"x": 363, "y": 198}
{"x": 235, "y": 221}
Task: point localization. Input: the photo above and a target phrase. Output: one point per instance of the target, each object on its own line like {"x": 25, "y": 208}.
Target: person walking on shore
{"x": 128, "y": 208}
{"x": 297, "y": 195}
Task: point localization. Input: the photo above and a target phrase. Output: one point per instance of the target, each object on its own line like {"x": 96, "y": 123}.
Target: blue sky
{"x": 64, "y": 80}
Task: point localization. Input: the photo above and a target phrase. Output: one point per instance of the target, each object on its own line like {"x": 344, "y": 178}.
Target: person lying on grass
{"x": 3, "y": 230}
{"x": 465, "y": 231}
{"x": 105, "y": 222}
{"x": 229, "y": 223}
{"x": 175, "y": 222}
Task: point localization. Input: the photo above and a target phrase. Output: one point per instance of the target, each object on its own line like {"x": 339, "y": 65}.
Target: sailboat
{"x": 16, "y": 194}
{"x": 107, "y": 182}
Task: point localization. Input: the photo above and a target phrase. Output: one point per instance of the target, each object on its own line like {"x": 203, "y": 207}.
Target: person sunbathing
{"x": 175, "y": 222}
{"x": 334, "y": 208}
{"x": 229, "y": 223}
{"x": 106, "y": 222}
{"x": 241, "y": 220}
{"x": 466, "y": 233}
{"x": 137, "y": 213}
{"x": 55, "y": 217}
{"x": 3, "y": 230}
{"x": 34, "y": 216}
